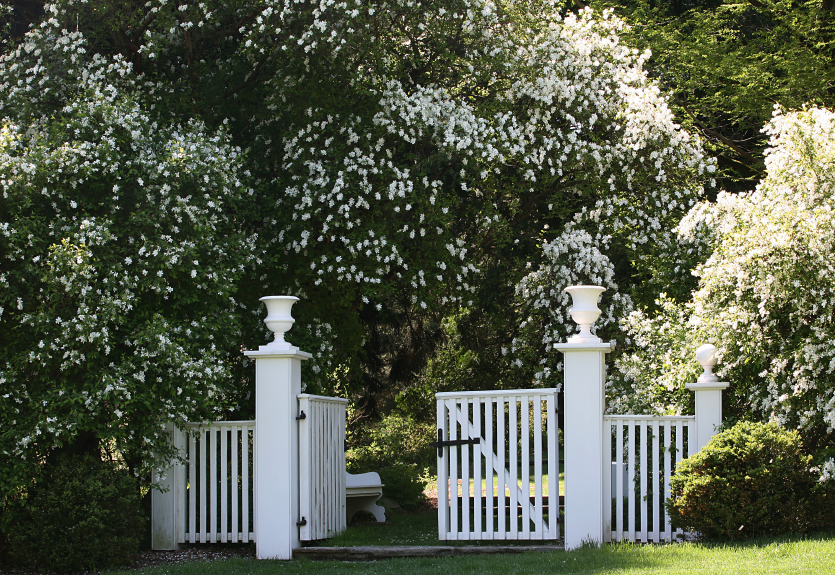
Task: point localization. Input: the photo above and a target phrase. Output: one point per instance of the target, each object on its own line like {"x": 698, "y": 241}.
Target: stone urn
{"x": 584, "y": 311}
{"x": 279, "y": 319}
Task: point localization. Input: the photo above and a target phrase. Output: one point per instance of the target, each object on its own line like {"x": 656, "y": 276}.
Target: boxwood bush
{"x": 750, "y": 480}
{"x": 84, "y": 514}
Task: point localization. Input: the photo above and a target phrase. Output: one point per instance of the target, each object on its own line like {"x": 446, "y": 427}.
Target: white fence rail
{"x": 640, "y": 455}
{"x": 491, "y": 482}
{"x": 321, "y": 466}
{"x": 215, "y": 499}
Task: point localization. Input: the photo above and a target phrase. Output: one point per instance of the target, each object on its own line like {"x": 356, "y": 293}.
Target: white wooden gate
{"x": 640, "y": 454}
{"x": 321, "y": 466}
{"x": 495, "y": 451}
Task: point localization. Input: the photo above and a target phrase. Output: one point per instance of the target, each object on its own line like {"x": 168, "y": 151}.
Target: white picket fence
{"x": 490, "y": 481}
{"x": 321, "y": 466}
{"x": 215, "y": 497}
{"x": 640, "y": 455}
{"x": 215, "y": 491}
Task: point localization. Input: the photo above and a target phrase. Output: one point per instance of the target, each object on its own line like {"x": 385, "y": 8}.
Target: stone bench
{"x": 361, "y": 494}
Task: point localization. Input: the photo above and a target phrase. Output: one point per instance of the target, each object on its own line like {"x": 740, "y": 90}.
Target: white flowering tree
{"x": 121, "y": 256}
{"x": 407, "y": 162}
{"x": 765, "y": 293}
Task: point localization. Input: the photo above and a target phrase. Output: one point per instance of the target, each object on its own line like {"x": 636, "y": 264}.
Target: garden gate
{"x": 498, "y": 465}
{"x": 495, "y": 449}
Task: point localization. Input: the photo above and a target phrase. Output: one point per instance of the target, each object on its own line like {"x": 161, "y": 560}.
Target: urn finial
{"x": 706, "y": 356}
{"x": 584, "y": 311}
{"x": 279, "y": 319}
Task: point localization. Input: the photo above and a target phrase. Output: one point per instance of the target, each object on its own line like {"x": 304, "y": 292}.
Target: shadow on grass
{"x": 404, "y": 528}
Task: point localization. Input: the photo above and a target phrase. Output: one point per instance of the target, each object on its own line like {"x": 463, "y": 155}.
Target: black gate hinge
{"x": 301, "y": 416}
{"x": 301, "y": 523}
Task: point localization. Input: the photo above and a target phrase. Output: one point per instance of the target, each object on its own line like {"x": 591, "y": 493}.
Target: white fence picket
{"x": 638, "y": 468}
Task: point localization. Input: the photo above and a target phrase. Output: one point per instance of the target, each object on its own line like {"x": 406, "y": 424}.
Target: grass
{"x": 785, "y": 555}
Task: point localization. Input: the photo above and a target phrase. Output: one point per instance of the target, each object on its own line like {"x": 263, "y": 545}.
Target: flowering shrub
{"x": 121, "y": 258}
{"x": 765, "y": 293}
{"x": 353, "y": 155}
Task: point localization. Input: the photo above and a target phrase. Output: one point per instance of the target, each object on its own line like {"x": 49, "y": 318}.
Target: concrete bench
{"x": 361, "y": 494}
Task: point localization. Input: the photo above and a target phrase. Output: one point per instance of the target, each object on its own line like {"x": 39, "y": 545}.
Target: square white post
{"x": 278, "y": 383}
{"x": 276, "y": 498}
{"x": 708, "y": 390}
{"x": 584, "y": 375}
{"x": 164, "y": 517}
{"x": 708, "y": 410}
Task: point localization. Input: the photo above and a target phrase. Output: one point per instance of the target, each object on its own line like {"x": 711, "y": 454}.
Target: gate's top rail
{"x": 496, "y": 393}
{"x": 198, "y": 425}
{"x": 322, "y": 398}
{"x": 670, "y": 418}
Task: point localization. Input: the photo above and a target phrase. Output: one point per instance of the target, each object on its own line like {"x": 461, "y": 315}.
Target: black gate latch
{"x": 440, "y": 444}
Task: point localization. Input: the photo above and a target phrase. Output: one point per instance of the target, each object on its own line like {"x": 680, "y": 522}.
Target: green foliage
{"x": 727, "y": 63}
{"x": 395, "y": 440}
{"x": 750, "y": 480}
{"x": 403, "y": 483}
{"x": 397, "y": 448}
{"x": 83, "y": 514}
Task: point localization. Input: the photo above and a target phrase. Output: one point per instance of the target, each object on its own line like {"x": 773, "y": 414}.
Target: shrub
{"x": 750, "y": 480}
{"x": 395, "y": 440}
{"x": 85, "y": 514}
{"x": 403, "y": 484}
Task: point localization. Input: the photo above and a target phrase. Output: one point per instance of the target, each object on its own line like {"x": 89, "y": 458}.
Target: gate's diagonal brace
{"x": 440, "y": 444}
{"x": 490, "y": 455}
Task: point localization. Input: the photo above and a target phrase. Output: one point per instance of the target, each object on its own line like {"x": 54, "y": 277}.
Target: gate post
{"x": 276, "y": 449}
{"x": 708, "y": 391}
{"x": 584, "y": 372}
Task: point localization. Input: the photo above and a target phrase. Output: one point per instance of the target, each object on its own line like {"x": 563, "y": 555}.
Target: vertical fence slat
{"x": 452, "y": 409}
{"x": 607, "y": 480}
{"x": 477, "y": 526}
{"x": 501, "y": 528}
{"x": 618, "y": 471}
{"x": 525, "y": 499}
{"x": 656, "y": 475}
{"x": 224, "y": 479}
{"x": 644, "y": 472}
{"x": 443, "y": 475}
{"x": 667, "y": 471}
{"x": 513, "y": 467}
{"x": 181, "y": 442}
{"x": 490, "y": 507}
{"x": 679, "y": 448}
{"x": 202, "y": 485}
{"x": 236, "y": 490}
{"x": 537, "y": 469}
{"x": 246, "y": 455}
{"x": 632, "y": 425}
{"x": 463, "y": 420}
{"x": 552, "y": 429}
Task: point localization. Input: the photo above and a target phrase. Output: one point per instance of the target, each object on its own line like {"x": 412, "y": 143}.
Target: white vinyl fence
{"x": 215, "y": 501}
{"x": 640, "y": 455}
{"x": 321, "y": 466}
{"x": 494, "y": 450}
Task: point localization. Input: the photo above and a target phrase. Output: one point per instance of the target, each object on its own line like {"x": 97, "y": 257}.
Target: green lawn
{"x": 766, "y": 557}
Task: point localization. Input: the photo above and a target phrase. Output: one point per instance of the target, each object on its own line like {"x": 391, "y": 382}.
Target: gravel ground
{"x": 197, "y": 552}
